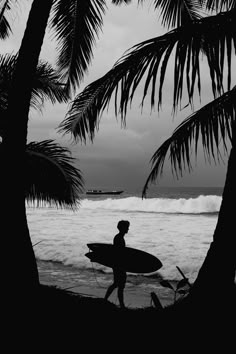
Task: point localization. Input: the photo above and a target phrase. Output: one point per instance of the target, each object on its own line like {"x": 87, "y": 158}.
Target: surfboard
{"x": 130, "y": 259}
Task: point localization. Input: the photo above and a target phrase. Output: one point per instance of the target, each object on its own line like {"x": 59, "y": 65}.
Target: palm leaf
{"x": 219, "y": 5}
{"x": 166, "y": 284}
{"x": 7, "y": 63}
{"x": 214, "y": 123}
{"x": 46, "y": 84}
{"x": 5, "y": 28}
{"x": 212, "y": 35}
{"x": 6, "y": 6}
{"x": 181, "y": 284}
{"x": 83, "y": 115}
{"x": 177, "y": 13}
{"x": 77, "y": 24}
{"x": 51, "y": 176}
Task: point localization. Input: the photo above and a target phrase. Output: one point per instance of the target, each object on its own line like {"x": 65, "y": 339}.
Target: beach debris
{"x": 180, "y": 288}
{"x": 155, "y": 300}
{"x": 37, "y": 243}
{"x": 181, "y": 272}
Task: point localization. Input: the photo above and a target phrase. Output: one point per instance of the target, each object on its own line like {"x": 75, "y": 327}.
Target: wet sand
{"x": 136, "y": 295}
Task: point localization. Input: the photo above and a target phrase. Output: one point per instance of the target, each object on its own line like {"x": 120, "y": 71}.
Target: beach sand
{"x": 133, "y": 297}
{"x": 136, "y": 295}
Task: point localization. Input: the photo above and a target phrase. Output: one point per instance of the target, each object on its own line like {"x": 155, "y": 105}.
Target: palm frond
{"x": 7, "y": 65}
{"x": 46, "y": 84}
{"x": 5, "y": 7}
{"x": 5, "y": 28}
{"x": 77, "y": 24}
{"x": 220, "y": 5}
{"x": 177, "y": 13}
{"x": 213, "y": 123}
{"x": 212, "y": 36}
{"x": 51, "y": 176}
{"x": 83, "y": 115}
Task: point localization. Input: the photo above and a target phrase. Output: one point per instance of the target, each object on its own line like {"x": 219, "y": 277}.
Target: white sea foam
{"x": 178, "y": 231}
{"x": 201, "y": 204}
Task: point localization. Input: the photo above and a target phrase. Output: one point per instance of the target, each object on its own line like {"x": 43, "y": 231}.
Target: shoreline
{"x": 92, "y": 284}
{"x": 86, "y": 284}
{"x": 133, "y": 299}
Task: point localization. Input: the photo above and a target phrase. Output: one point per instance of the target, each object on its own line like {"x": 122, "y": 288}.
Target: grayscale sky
{"x": 119, "y": 158}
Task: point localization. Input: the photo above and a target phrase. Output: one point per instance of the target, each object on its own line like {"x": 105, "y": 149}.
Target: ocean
{"x": 174, "y": 224}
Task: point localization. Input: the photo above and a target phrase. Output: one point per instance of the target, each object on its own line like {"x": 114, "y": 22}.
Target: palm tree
{"x": 214, "y": 37}
{"x": 76, "y": 24}
{"x": 51, "y": 176}
{"x": 46, "y": 85}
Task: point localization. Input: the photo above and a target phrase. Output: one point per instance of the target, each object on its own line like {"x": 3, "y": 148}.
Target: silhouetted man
{"x": 119, "y": 274}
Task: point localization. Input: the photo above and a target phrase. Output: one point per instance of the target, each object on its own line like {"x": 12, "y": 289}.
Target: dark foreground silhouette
{"x": 54, "y": 318}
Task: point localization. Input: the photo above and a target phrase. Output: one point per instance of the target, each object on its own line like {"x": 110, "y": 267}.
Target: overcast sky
{"x": 118, "y": 158}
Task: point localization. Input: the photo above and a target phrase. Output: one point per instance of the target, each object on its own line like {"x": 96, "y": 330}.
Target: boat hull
{"x": 94, "y": 192}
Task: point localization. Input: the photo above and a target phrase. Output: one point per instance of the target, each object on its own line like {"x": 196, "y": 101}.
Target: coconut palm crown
{"x": 75, "y": 25}
{"x": 51, "y": 175}
{"x": 211, "y": 36}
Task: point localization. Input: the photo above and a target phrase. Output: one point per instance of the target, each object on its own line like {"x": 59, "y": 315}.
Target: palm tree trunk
{"x": 216, "y": 277}
{"x": 23, "y": 274}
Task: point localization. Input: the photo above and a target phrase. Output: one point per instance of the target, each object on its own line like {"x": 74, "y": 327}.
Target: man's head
{"x": 123, "y": 226}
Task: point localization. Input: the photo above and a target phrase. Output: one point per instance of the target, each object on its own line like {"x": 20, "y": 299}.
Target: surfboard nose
{"x": 90, "y": 255}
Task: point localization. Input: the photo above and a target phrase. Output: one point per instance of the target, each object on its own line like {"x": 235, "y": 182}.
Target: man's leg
{"x": 109, "y": 291}
{"x": 121, "y": 296}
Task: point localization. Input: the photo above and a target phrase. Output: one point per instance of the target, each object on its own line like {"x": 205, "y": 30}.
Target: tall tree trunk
{"x": 216, "y": 277}
{"x": 23, "y": 273}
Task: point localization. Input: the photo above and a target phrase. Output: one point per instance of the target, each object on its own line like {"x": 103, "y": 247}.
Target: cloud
{"x": 119, "y": 156}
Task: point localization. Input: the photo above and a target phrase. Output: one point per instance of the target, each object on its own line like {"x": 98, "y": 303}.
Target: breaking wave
{"x": 200, "y": 205}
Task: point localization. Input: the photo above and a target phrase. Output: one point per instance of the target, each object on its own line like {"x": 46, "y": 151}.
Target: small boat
{"x": 101, "y": 192}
